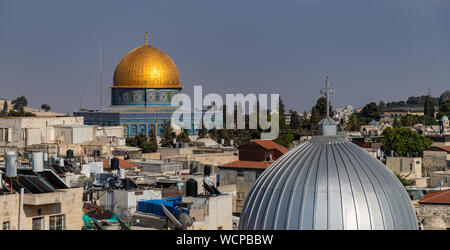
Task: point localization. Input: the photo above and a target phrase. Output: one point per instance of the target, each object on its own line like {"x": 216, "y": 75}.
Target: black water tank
{"x": 191, "y": 187}
{"x": 115, "y": 164}
{"x": 69, "y": 153}
{"x": 207, "y": 170}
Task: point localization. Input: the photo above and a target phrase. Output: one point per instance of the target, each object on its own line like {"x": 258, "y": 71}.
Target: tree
{"x": 131, "y": 141}
{"x": 425, "y": 120}
{"x": 353, "y": 123}
{"x": 428, "y": 107}
{"x": 202, "y": 133}
{"x": 4, "y": 111}
{"x": 147, "y": 145}
{"x": 295, "y": 120}
{"x": 444, "y": 109}
{"x": 46, "y": 107}
{"x": 381, "y": 106}
{"x": 19, "y": 113}
{"x": 305, "y": 123}
{"x": 20, "y": 103}
{"x": 369, "y": 113}
{"x": 404, "y": 141}
{"x": 397, "y": 123}
{"x": 404, "y": 181}
{"x": 408, "y": 120}
{"x": 167, "y": 135}
{"x": 153, "y": 141}
{"x": 282, "y": 113}
{"x": 285, "y": 139}
{"x": 319, "y": 111}
{"x": 183, "y": 136}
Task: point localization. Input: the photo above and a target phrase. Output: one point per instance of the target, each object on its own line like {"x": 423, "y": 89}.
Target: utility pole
{"x": 100, "y": 73}
{"x": 21, "y": 208}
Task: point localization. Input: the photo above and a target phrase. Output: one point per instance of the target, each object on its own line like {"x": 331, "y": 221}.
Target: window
{"x": 1, "y": 135}
{"x": 240, "y": 173}
{"x": 6, "y": 137}
{"x": 239, "y": 195}
{"x": 6, "y": 225}
{"x": 57, "y": 222}
{"x": 38, "y": 223}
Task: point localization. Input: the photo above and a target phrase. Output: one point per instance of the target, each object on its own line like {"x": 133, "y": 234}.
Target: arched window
{"x": 125, "y": 130}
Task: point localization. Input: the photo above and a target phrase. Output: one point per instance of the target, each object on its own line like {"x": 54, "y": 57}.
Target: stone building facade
{"x": 435, "y": 204}
{"x": 45, "y": 211}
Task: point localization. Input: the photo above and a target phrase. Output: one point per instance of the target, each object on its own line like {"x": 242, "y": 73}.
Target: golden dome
{"x": 146, "y": 67}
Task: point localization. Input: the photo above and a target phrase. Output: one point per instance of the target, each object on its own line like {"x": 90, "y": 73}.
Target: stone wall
{"x": 405, "y": 165}
{"x": 434, "y": 161}
{"x": 428, "y": 210}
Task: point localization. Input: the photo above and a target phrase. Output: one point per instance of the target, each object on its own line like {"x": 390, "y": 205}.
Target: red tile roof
{"x": 439, "y": 197}
{"x": 247, "y": 164}
{"x": 446, "y": 148}
{"x": 269, "y": 145}
{"x": 122, "y": 164}
{"x": 439, "y": 148}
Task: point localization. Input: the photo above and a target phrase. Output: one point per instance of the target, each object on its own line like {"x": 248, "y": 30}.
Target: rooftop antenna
{"x": 100, "y": 73}
{"x": 327, "y": 91}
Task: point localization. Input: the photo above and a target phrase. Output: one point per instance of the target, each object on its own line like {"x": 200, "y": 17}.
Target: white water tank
{"x": 61, "y": 162}
{"x": 45, "y": 157}
{"x": 11, "y": 164}
{"x": 38, "y": 161}
{"x": 122, "y": 174}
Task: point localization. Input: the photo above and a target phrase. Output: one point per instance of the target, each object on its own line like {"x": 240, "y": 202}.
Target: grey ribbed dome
{"x": 328, "y": 183}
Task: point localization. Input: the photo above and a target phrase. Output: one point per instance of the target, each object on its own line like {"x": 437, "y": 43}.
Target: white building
{"x": 344, "y": 113}
{"x": 74, "y": 134}
{"x": 20, "y": 132}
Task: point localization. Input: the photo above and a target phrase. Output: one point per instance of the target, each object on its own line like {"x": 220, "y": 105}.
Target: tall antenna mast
{"x": 100, "y": 73}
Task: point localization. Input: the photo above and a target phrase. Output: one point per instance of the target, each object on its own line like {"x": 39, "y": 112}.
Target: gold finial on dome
{"x": 146, "y": 37}
{"x": 146, "y": 67}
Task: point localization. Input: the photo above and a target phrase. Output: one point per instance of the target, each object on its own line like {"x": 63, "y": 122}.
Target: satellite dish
{"x": 216, "y": 191}
{"x": 171, "y": 217}
{"x": 125, "y": 215}
{"x": 97, "y": 225}
{"x": 208, "y": 188}
{"x": 122, "y": 224}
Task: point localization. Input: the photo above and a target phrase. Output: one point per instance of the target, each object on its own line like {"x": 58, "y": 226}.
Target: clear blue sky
{"x": 372, "y": 50}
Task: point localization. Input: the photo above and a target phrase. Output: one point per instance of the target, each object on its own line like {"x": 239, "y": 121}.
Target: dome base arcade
{"x": 142, "y": 97}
